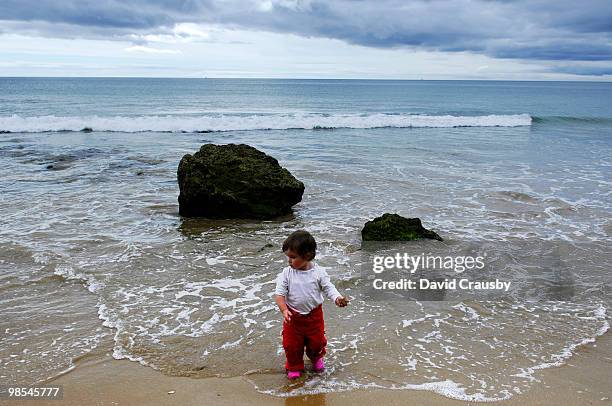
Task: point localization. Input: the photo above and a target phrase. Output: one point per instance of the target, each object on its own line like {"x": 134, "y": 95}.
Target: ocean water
{"x": 95, "y": 259}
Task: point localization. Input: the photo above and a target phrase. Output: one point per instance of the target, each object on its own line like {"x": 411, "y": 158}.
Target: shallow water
{"x": 93, "y": 252}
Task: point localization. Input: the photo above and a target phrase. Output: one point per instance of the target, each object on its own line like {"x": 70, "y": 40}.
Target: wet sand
{"x": 584, "y": 379}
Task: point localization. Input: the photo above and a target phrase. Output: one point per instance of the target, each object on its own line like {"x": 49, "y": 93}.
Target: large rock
{"x": 393, "y": 227}
{"x": 235, "y": 181}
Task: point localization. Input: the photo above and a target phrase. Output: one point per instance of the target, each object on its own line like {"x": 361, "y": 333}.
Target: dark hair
{"x": 302, "y": 243}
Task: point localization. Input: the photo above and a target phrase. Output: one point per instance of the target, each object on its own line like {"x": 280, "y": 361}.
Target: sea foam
{"x": 218, "y": 122}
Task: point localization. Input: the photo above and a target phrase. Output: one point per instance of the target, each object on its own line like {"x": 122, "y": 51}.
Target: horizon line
{"x": 297, "y": 78}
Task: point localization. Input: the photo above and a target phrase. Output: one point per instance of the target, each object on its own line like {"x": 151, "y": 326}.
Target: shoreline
{"x": 582, "y": 379}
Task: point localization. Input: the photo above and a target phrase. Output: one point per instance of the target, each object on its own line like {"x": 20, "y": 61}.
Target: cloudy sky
{"x": 385, "y": 39}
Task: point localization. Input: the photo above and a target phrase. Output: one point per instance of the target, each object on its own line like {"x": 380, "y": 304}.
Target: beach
{"x": 107, "y": 290}
{"x": 105, "y": 381}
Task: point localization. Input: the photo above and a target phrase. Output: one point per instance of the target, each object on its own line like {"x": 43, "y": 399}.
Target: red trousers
{"x": 304, "y": 330}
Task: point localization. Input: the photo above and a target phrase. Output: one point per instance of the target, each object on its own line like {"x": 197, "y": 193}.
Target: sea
{"x": 95, "y": 260}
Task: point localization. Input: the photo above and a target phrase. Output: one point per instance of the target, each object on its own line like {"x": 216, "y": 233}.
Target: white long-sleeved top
{"x": 303, "y": 290}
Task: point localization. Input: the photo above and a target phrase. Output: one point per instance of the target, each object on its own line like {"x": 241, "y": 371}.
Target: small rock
{"x": 393, "y": 227}
{"x": 268, "y": 245}
{"x": 171, "y": 392}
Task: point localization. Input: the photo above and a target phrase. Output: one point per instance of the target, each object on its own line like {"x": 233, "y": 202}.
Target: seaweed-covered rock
{"x": 393, "y": 227}
{"x": 235, "y": 181}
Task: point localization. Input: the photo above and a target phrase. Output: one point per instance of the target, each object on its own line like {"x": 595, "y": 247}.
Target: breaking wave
{"x": 217, "y": 123}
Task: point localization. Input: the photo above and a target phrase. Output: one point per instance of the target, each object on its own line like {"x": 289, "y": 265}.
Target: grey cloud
{"x": 559, "y": 30}
{"x": 560, "y": 51}
{"x": 88, "y": 13}
{"x": 584, "y": 70}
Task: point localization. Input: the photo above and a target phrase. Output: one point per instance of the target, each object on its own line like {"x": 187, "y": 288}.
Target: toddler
{"x": 299, "y": 294}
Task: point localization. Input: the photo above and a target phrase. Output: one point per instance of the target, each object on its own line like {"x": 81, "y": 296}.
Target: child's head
{"x": 300, "y": 248}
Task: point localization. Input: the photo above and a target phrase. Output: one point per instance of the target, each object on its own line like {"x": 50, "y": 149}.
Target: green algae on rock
{"x": 235, "y": 181}
{"x": 393, "y": 227}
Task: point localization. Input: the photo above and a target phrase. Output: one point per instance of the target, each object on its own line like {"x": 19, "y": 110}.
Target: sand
{"x": 585, "y": 379}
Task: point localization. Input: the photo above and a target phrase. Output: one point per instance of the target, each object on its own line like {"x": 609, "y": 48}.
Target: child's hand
{"x": 341, "y": 301}
{"x": 286, "y": 315}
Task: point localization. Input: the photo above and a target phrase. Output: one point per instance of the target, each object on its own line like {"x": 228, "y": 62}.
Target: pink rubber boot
{"x": 318, "y": 365}
{"x": 293, "y": 374}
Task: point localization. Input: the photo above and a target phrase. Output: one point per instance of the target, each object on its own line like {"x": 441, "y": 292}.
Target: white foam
{"x": 447, "y": 388}
{"x": 452, "y": 390}
{"x": 89, "y": 281}
{"x": 470, "y": 312}
{"x": 408, "y": 323}
{"x": 16, "y": 123}
{"x": 599, "y": 313}
{"x": 112, "y": 321}
{"x": 215, "y": 261}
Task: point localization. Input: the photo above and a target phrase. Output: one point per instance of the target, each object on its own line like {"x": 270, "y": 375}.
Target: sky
{"x": 346, "y": 39}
